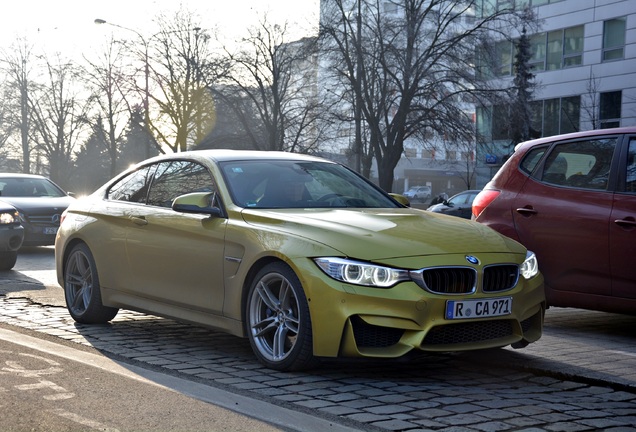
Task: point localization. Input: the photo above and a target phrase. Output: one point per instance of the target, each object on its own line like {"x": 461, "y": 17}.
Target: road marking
{"x": 254, "y": 408}
{"x": 82, "y": 420}
{"x": 16, "y": 368}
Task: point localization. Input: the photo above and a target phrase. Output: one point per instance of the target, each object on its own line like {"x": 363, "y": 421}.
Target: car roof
{"x": 21, "y": 175}
{"x": 573, "y": 135}
{"x": 223, "y": 155}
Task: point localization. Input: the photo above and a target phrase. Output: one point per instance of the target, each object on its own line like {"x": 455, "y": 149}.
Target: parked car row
{"x": 31, "y": 207}
{"x": 418, "y": 193}
{"x": 309, "y": 260}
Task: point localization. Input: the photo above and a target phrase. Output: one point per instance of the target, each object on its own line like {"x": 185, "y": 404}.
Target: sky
{"x": 68, "y": 27}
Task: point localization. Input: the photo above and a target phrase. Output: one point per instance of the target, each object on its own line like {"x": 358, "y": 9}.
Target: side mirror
{"x": 401, "y": 199}
{"x": 197, "y": 202}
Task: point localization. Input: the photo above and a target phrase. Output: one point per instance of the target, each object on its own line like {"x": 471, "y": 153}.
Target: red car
{"x": 572, "y": 200}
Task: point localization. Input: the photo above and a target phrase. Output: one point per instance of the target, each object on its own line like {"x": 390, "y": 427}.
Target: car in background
{"x": 302, "y": 256}
{"x": 460, "y": 205}
{"x": 418, "y": 193}
{"x": 11, "y": 236}
{"x": 40, "y": 204}
{"x": 572, "y": 200}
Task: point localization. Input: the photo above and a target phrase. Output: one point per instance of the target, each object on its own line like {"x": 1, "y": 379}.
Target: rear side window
{"x": 580, "y": 164}
{"x": 531, "y": 160}
{"x": 159, "y": 184}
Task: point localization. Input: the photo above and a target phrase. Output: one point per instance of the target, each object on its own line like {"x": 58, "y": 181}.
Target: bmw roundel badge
{"x": 471, "y": 259}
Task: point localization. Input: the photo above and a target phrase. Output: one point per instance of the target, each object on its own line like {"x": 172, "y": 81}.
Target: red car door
{"x": 622, "y": 230}
{"x": 568, "y": 233}
{"x": 563, "y": 216}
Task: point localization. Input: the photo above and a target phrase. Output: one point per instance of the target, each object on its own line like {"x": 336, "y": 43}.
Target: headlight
{"x": 8, "y": 218}
{"x": 530, "y": 266}
{"x": 361, "y": 273}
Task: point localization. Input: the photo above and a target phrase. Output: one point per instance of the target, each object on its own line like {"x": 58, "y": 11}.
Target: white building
{"x": 584, "y": 59}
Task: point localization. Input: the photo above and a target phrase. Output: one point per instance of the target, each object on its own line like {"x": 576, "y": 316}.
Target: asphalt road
{"x": 48, "y": 386}
{"x": 581, "y": 375}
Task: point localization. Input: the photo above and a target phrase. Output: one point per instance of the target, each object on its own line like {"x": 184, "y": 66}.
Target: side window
{"x": 530, "y": 161}
{"x": 133, "y": 187}
{"x": 178, "y": 178}
{"x": 630, "y": 179}
{"x": 459, "y": 200}
{"x": 581, "y": 164}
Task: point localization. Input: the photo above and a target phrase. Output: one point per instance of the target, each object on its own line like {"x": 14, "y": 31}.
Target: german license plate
{"x": 50, "y": 230}
{"x": 481, "y": 308}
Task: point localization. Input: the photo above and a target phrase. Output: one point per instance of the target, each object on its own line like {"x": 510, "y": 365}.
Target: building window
{"x": 451, "y": 155}
{"x": 410, "y": 153}
{"x": 549, "y": 51}
{"x": 614, "y": 39}
{"x": 610, "y": 109}
{"x": 556, "y": 116}
{"x": 428, "y": 154}
{"x": 561, "y": 115}
{"x": 489, "y": 7}
{"x": 505, "y": 58}
{"x": 390, "y": 8}
{"x": 538, "y": 50}
{"x": 557, "y": 49}
{"x": 570, "y": 119}
{"x": 573, "y": 46}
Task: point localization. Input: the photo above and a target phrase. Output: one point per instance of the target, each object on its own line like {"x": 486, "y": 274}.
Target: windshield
{"x": 29, "y": 187}
{"x": 299, "y": 184}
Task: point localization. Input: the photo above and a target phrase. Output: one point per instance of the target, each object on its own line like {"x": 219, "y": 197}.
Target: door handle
{"x": 527, "y": 211}
{"x": 628, "y": 222}
{"x": 139, "y": 220}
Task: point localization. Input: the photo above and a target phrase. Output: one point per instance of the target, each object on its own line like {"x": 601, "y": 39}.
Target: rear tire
{"x": 8, "y": 260}
{"x": 82, "y": 290}
{"x": 278, "y": 322}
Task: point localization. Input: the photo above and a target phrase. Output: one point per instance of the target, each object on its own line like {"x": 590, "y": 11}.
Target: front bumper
{"x": 39, "y": 235}
{"x": 11, "y": 238}
{"x": 356, "y": 321}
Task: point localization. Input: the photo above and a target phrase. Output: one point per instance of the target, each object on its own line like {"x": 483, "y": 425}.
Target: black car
{"x": 11, "y": 236}
{"x": 40, "y": 204}
{"x": 457, "y": 205}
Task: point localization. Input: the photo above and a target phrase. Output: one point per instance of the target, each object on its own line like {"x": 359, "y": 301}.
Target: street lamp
{"x": 147, "y": 77}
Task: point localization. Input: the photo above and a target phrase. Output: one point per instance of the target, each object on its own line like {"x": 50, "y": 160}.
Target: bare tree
{"x": 407, "y": 68}
{"x": 110, "y": 94}
{"x": 591, "y": 105}
{"x": 183, "y": 70}
{"x": 59, "y": 112}
{"x": 277, "y": 77}
{"x": 16, "y": 67}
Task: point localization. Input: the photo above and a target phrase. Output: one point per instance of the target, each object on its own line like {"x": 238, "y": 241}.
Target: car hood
{"x": 375, "y": 234}
{"x": 36, "y": 204}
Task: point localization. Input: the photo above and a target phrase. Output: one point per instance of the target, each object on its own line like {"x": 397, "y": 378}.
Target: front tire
{"x": 8, "y": 260}
{"x": 278, "y": 321}
{"x": 82, "y": 290}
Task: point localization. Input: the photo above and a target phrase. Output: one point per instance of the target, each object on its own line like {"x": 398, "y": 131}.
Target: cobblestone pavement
{"x": 581, "y": 376}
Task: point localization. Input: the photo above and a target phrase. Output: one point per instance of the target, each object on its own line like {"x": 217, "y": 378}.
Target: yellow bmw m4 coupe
{"x": 299, "y": 254}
